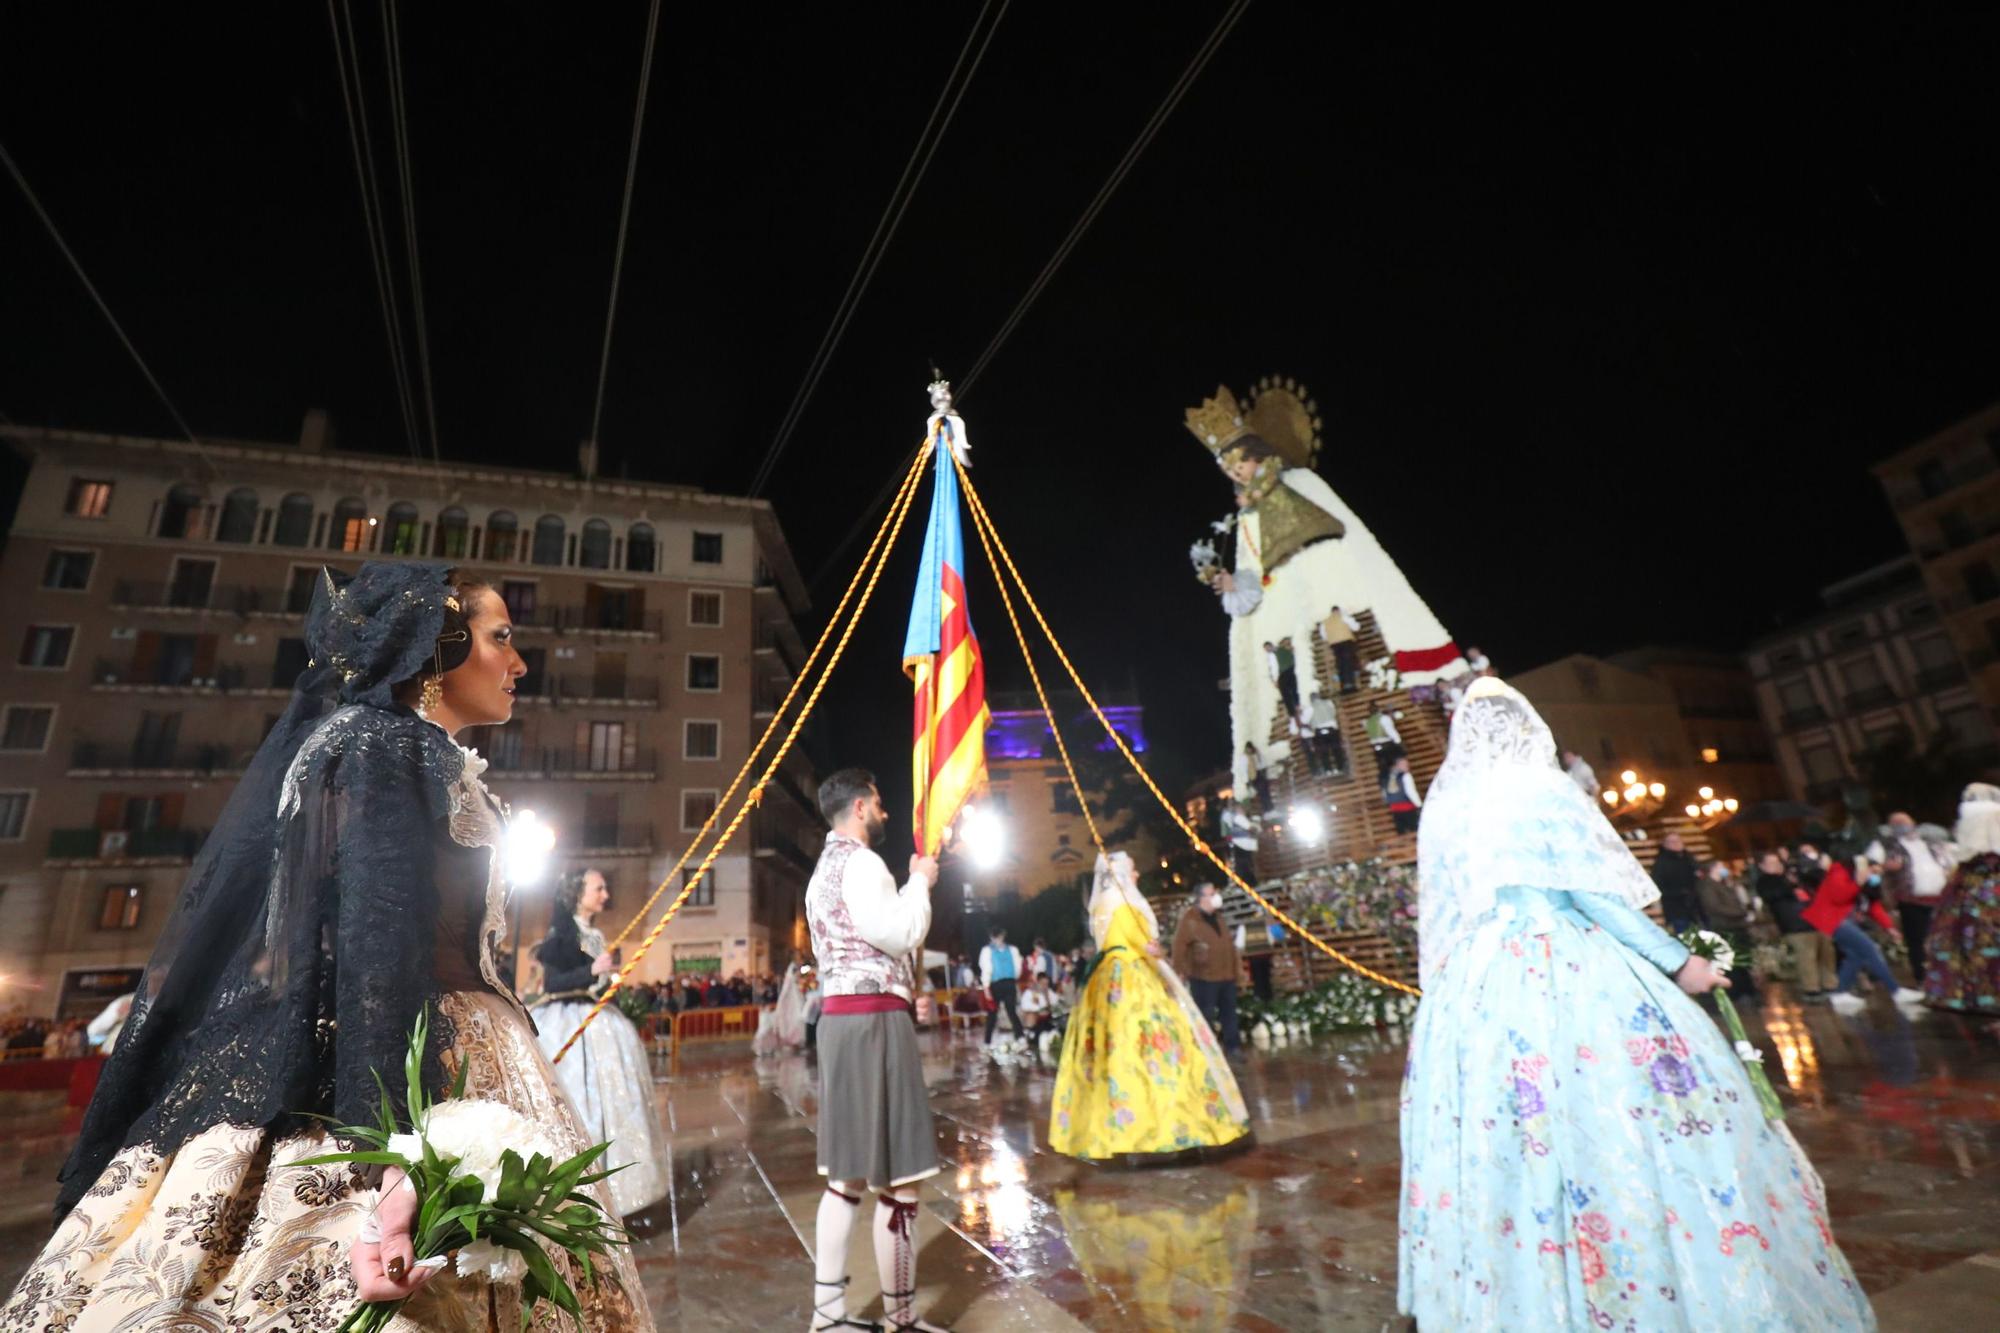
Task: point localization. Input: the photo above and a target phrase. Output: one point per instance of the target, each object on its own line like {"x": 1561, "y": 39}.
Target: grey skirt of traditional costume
{"x": 608, "y": 1078}
{"x": 874, "y": 1111}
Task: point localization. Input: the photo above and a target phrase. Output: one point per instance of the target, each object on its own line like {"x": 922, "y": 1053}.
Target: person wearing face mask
{"x": 1812, "y": 953}
{"x": 351, "y": 886}
{"x": 1914, "y": 874}
{"x": 1836, "y": 898}
{"x": 875, "y": 1129}
{"x": 606, "y": 1074}
{"x": 1205, "y": 953}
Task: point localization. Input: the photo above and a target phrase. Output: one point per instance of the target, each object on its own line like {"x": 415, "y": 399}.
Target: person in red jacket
{"x": 1835, "y": 896}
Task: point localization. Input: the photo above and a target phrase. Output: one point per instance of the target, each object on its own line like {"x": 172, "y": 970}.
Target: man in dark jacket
{"x": 1810, "y": 950}
{"x": 1204, "y": 953}
{"x": 1674, "y": 872}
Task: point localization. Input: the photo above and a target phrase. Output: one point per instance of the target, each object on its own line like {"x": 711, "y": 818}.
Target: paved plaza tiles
{"x": 1900, "y": 1113}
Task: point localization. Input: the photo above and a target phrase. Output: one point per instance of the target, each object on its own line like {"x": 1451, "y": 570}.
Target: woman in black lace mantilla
{"x": 352, "y": 881}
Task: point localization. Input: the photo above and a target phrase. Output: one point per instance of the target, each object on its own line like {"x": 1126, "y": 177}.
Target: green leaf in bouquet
{"x": 540, "y": 1269}
{"x": 512, "y": 1193}
{"x": 569, "y": 1175}
{"x": 365, "y": 1158}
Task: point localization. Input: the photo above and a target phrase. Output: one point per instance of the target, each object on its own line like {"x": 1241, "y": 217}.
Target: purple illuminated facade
{"x": 1023, "y": 733}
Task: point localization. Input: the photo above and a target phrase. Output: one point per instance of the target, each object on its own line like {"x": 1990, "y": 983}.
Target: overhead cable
{"x": 624, "y": 216}
{"x": 919, "y": 162}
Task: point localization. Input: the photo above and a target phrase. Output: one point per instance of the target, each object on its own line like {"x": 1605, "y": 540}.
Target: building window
{"x": 1980, "y": 584}
{"x": 701, "y": 740}
{"x": 88, "y": 499}
{"x": 350, "y": 527}
{"x": 607, "y": 747}
{"x": 1063, "y": 799}
{"x": 27, "y": 727}
{"x": 600, "y": 820}
{"x": 1851, "y": 633}
{"x": 14, "y": 814}
{"x": 708, "y": 548}
{"x": 1710, "y": 755}
{"x": 641, "y": 549}
{"x": 704, "y": 892}
{"x": 68, "y": 571}
{"x": 403, "y": 523}
{"x": 300, "y": 587}
{"x": 289, "y": 664}
{"x": 519, "y": 595}
{"x": 119, "y": 908}
{"x": 534, "y": 681}
{"x": 1968, "y": 728}
{"x": 192, "y": 583}
{"x": 239, "y": 517}
{"x": 47, "y": 646}
{"x": 549, "y": 532}
{"x": 705, "y": 608}
{"x": 1822, "y": 764}
{"x": 704, "y": 672}
{"x": 504, "y": 746}
{"x": 503, "y": 535}
{"x": 454, "y": 535}
{"x": 180, "y": 516}
{"x": 295, "y": 521}
{"x": 595, "y": 552}
{"x": 1797, "y": 695}
{"x": 697, "y": 807}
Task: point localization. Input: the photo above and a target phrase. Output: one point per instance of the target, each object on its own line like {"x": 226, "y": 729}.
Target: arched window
{"x": 549, "y": 532}
{"x": 641, "y": 549}
{"x": 239, "y": 517}
{"x": 295, "y": 520}
{"x": 453, "y": 535}
{"x": 349, "y": 530}
{"x": 181, "y": 512}
{"x": 503, "y": 535}
{"x": 596, "y": 552}
{"x": 402, "y": 534}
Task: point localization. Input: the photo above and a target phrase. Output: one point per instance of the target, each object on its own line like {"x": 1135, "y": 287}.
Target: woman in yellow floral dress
{"x": 1142, "y": 1075}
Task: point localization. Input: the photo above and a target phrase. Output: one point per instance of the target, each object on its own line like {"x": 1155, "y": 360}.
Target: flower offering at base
{"x": 491, "y": 1195}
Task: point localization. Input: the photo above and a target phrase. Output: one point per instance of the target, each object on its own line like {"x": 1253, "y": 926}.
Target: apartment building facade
{"x": 154, "y": 596}
{"x": 1879, "y": 662}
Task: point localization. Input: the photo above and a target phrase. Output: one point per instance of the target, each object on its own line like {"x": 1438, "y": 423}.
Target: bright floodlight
{"x": 984, "y": 836}
{"x": 1306, "y": 822}
{"x": 529, "y": 844}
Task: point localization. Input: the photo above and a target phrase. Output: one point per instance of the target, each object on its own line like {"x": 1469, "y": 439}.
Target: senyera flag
{"x": 941, "y": 655}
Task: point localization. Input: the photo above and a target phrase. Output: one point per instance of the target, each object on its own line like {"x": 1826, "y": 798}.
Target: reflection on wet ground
{"x": 1901, "y": 1115}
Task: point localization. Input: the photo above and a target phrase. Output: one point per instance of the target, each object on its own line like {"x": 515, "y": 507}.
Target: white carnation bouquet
{"x": 491, "y": 1192}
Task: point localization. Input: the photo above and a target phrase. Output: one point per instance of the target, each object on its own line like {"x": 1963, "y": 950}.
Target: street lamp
{"x": 1307, "y": 823}
{"x": 983, "y": 837}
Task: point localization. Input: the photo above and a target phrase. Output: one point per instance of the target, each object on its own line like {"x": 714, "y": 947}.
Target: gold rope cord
{"x": 909, "y": 480}
{"x": 984, "y": 523}
{"x": 1007, "y": 600}
{"x": 898, "y": 511}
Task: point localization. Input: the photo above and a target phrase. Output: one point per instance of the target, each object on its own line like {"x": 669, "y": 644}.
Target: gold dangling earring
{"x": 432, "y": 697}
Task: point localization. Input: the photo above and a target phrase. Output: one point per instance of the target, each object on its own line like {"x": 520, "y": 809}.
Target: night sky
{"x": 1606, "y": 323}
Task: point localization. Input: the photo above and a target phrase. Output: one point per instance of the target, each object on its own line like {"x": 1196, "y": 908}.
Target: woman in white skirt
{"x": 606, "y": 1074}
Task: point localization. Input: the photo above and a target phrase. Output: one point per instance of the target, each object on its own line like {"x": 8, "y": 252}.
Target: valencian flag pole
{"x": 941, "y": 653}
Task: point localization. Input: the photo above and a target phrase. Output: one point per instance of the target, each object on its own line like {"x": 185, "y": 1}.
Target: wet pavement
{"x": 1901, "y": 1114}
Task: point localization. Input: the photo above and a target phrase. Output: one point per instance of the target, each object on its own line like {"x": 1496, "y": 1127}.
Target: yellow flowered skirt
{"x": 1141, "y": 1070}
{"x": 231, "y": 1233}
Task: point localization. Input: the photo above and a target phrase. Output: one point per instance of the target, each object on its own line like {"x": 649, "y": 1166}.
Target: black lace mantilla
{"x": 302, "y": 948}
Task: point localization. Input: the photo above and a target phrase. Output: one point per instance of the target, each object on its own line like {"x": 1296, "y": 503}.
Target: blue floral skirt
{"x": 1582, "y": 1149}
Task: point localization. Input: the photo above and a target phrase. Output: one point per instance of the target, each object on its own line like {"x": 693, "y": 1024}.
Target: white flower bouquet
{"x": 490, "y": 1189}
{"x": 1707, "y": 944}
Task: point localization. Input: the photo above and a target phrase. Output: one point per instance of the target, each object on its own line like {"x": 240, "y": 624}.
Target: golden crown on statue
{"x": 1280, "y": 411}
{"x": 1218, "y": 422}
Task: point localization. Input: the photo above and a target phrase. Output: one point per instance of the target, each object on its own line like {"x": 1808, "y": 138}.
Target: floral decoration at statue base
{"x": 497, "y": 1211}
{"x": 1707, "y": 944}
{"x": 1344, "y": 1001}
{"x": 1359, "y": 895}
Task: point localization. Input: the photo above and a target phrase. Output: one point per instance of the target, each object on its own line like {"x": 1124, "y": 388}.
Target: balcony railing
{"x": 1872, "y": 697}
{"x": 564, "y": 761}
{"x": 110, "y": 674}
{"x": 614, "y": 840}
{"x": 1811, "y": 715}
{"x": 127, "y": 755}
{"x": 579, "y": 620}
{"x": 227, "y": 598}
{"x": 91, "y": 844}
{"x": 769, "y": 640}
{"x": 556, "y": 689}
{"x": 1915, "y": 493}
{"x": 771, "y": 837}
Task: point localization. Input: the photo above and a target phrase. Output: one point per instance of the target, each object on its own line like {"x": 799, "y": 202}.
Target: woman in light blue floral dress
{"x": 1581, "y": 1147}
